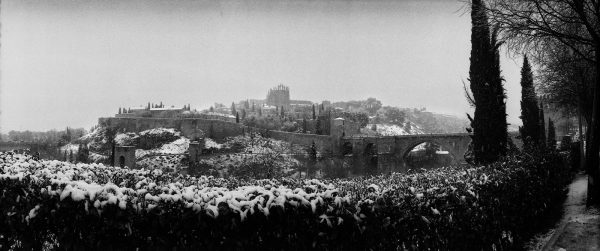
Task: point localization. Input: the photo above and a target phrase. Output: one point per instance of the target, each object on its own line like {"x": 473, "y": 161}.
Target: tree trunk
{"x": 593, "y": 141}
{"x": 581, "y": 143}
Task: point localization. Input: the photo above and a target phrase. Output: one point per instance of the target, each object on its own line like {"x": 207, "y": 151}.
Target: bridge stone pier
{"x": 395, "y": 148}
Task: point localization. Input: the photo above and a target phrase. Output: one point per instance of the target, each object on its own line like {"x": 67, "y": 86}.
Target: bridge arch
{"x": 443, "y": 146}
{"x": 370, "y": 149}
{"x": 391, "y": 151}
{"x": 347, "y": 148}
{"x": 370, "y": 156}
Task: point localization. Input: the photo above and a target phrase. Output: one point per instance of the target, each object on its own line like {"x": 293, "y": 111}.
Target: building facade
{"x": 279, "y": 96}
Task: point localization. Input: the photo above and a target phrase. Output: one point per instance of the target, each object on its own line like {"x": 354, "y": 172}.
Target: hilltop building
{"x": 279, "y": 96}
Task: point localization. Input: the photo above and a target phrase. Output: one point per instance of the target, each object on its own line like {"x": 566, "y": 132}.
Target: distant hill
{"x": 430, "y": 122}
{"x": 409, "y": 121}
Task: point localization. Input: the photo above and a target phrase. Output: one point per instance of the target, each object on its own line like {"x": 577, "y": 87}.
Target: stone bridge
{"x": 398, "y": 147}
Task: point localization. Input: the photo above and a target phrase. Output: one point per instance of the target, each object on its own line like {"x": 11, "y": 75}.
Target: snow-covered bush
{"x": 252, "y": 156}
{"x": 99, "y": 140}
{"x": 126, "y": 139}
{"x": 211, "y": 144}
{"x": 86, "y": 206}
{"x": 156, "y": 137}
{"x": 168, "y": 157}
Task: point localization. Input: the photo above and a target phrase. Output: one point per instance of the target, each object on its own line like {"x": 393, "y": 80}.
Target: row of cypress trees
{"x": 490, "y": 139}
{"x": 533, "y": 132}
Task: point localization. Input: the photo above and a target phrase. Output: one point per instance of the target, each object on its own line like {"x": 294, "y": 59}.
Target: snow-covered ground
{"x": 97, "y": 158}
{"x": 210, "y": 143}
{"x": 178, "y": 146}
{"x": 254, "y": 151}
{"x": 158, "y": 131}
{"x": 69, "y": 148}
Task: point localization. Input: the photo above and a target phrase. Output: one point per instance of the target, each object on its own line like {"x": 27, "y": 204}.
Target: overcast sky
{"x": 66, "y": 62}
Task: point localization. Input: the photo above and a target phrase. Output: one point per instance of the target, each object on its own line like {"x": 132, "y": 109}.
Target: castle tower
{"x": 195, "y": 150}
{"x": 125, "y": 156}
{"x": 336, "y": 132}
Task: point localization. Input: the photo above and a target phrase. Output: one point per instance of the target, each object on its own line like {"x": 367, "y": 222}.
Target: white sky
{"x": 66, "y": 62}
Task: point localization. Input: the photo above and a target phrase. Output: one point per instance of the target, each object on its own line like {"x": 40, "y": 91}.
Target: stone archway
{"x": 347, "y": 148}
{"x": 435, "y": 153}
{"x": 371, "y": 157}
{"x": 122, "y": 161}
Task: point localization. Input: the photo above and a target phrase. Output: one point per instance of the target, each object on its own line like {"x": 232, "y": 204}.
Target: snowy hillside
{"x": 394, "y": 130}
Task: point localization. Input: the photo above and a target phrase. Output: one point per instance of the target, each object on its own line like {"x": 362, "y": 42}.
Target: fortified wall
{"x": 322, "y": 142}
{"x": 189, "y": 127}
{"x": 212, "y": 128}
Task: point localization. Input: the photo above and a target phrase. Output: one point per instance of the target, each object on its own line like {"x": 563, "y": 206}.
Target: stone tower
{"x": 336, "y": 132}
{"x": 195, "y": 150}
{"x": 125, "y": 156}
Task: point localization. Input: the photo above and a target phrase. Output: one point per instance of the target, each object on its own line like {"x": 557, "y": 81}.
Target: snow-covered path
{"x": 579, "y": 228}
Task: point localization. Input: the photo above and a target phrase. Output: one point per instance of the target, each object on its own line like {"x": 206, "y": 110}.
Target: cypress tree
{"x": 314, "y": 115}
{"x": 530, "y": 112}
{"x": 542, "y": 123}
{"x": 489, "y": 127}
{"x": 282, "y": 112}
{"x": 237, "y": 117}
{"x": 304, "y": 125}
{"x": 129, "y": 110}
{"x": 551, "y": 135}
{"x": 318, "y": 129}
{"x": 83, "y": 153}
{"x": 68, "y": 133}
{"x": 233, "y": 111}
{"x": 119, "y": 110}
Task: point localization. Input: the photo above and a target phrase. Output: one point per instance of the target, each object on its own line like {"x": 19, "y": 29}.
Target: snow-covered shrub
{"x": 252, "y": 156}
{"x": 211, "y": 144}
{"x": 168, "y": 157}
{"x": 85, "y": 206}
{"x": 157, "y": 137}
{"x": 126, "y": 139}
{"x": 290, "y": 126}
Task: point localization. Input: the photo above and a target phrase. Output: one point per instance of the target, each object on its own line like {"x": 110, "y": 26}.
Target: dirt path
{"x": 579, "y": 228}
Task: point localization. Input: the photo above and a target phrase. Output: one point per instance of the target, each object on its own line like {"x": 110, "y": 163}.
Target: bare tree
{"x": 537, "y": 26}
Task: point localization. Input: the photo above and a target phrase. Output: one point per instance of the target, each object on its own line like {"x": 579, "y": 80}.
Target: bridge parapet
{"x": 399, "y": 146}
